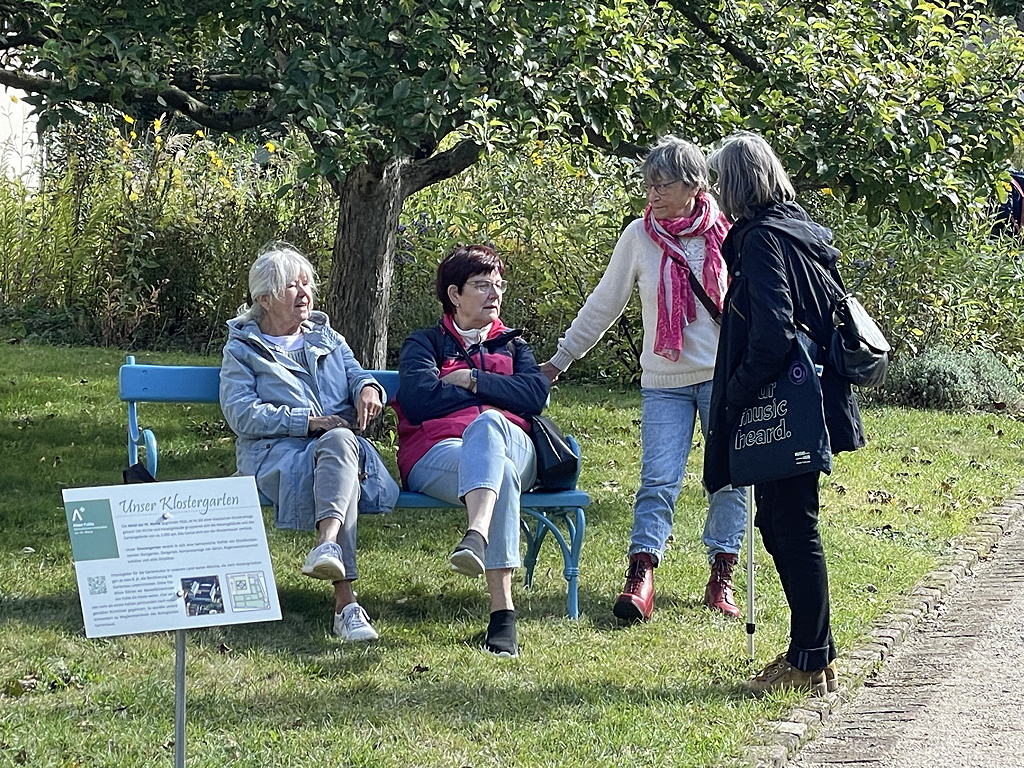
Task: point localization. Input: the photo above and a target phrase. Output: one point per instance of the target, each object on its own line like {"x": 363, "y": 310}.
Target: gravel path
{"x": 952, "y": 694}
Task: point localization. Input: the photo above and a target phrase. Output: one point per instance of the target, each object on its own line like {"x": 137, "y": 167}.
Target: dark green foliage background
{"x": 141, "y": 237}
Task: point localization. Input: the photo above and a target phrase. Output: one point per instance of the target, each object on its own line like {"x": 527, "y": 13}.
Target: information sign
{"x": 153, "y": 557}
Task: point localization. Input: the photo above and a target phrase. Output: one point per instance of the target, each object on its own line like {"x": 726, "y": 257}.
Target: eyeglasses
{"x": 661, "y": 189}
{"x": 486, "y": 286}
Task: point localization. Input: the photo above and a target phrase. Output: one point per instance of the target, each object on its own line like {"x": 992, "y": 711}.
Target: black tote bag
{"x": 782, "y": 433}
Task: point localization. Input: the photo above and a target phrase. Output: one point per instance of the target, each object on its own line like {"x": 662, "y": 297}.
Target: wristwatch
{"x": 472, "y": 380}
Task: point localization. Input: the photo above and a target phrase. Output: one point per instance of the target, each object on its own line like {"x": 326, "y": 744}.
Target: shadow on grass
{"x": 429, "y": 693}
{"x": 604, "y": 620}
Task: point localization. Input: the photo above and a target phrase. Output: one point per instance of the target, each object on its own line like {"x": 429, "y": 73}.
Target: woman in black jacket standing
{"x": 776, "y": 287}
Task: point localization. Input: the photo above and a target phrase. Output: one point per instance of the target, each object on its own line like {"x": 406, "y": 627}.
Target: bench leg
{"x": 575, "y": 522}
{"x": 534, "y": 539}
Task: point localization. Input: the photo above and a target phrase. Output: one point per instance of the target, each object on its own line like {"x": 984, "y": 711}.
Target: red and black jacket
{"x": 508, "y": 379}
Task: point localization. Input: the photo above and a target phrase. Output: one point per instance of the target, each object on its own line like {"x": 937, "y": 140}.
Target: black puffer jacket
{"x": 774, "y": 287}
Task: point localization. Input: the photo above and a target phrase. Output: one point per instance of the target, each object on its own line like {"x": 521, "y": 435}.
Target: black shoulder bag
{"x": 857, "y": 349}
{"x": 783, "y": 433}
{"x": 558, "y": 462}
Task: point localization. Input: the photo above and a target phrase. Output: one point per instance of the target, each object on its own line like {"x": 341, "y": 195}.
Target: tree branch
{"x": 229, "y": 120}
{"x": 622, "y": 149}
{"x": 21, "y": 39}
{"x": 722, "y": 39}
{"x": 454, "y": 161}
{"x": 223, "y": 82}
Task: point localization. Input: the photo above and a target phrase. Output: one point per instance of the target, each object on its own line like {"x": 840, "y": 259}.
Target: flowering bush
{"x": 144, "y": 235}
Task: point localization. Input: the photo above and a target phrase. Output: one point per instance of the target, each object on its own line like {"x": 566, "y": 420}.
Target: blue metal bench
{"x": 541, "y": 511}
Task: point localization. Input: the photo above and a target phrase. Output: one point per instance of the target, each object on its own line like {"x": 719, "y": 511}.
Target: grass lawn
{"x": 583, "y": 693}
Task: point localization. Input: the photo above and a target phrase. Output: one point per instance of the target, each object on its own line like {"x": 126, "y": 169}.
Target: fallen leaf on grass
{"x": 417, "y": 671}
{"x": 880, "y": 496}
{"x": 15, "y": 687}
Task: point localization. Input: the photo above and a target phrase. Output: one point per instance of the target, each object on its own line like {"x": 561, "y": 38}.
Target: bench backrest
{"x": 194, "y": 383}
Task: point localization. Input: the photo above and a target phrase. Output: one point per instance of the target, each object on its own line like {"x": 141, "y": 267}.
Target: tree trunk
{"x": 370, "y": 198}
{"x": 358, "y": 296}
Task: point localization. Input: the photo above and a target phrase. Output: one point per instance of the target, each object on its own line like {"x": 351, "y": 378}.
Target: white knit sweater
{"x": 637, "y": 260}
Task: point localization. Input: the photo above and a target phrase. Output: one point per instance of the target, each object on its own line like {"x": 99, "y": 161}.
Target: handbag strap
{"x": 698, "y": 289}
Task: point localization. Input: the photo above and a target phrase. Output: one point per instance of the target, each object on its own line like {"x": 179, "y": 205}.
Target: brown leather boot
{"x": 636, "y": 603}
{"x": 718, "y": 593}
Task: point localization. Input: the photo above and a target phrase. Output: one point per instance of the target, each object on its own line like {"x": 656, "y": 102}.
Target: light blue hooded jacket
{"x": 267, "y": 400}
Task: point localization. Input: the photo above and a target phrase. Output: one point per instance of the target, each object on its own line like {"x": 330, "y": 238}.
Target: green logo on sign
{"x": 91, "y": 524}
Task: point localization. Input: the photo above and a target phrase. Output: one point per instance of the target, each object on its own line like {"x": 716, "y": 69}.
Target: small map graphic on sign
{"x": 248, "y": 591}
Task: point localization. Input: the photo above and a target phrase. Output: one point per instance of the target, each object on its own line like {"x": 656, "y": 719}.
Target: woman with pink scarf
{"x": 673, "y": 256}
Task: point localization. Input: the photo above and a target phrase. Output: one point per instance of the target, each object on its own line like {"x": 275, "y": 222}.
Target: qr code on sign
{"x": 97, "y": 585}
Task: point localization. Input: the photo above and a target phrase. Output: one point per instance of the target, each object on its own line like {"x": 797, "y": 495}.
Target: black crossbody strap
{"x": 702, "y": 296}
{"x": 698, "y": 289}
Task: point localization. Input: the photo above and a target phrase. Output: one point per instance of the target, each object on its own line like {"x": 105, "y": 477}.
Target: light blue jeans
{"x": 493, "y": 453}
{"x": 666, "y": 431}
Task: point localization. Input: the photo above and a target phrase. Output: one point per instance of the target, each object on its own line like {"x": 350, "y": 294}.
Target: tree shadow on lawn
{"x": 457, "y": 705}
{"x": 605, "y": 621}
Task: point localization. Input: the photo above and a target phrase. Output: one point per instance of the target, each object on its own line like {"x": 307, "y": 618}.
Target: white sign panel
{"x": 153, "y": 557}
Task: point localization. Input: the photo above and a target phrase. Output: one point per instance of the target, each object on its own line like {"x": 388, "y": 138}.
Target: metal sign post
{"x": 179, "y": 698}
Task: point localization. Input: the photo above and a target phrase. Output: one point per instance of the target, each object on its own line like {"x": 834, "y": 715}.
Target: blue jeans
{"x": 493, "y": 453}
{"x": 666, "y": 431}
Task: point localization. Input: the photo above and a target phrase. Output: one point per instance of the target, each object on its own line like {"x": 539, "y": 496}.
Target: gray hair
{"x": 674, "y": 159}
{"x": 275, "y": 267}
{"x": 750, "y": 175}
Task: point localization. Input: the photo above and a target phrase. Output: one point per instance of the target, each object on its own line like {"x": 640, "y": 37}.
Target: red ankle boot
{"x": 718, "y": 593}
{"x": 636, "y": 603}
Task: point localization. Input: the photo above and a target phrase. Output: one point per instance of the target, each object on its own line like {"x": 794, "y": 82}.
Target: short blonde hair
{"x": 277, "y": 265}
{"x": 750, "y": 176}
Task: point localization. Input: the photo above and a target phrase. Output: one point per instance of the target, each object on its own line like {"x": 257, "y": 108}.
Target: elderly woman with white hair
{"x": 672, "y": 255}
{"x": 295, "y": 396}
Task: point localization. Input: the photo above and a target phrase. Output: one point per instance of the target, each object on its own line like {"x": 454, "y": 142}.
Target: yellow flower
{"x": 156, "y": 125}
{"x": 14, "y": 98}
{"x": 129, "y": 175}
{"x": 133, "y": 136}
{"x": 827, "y": 191}
{"x": 200, "y": 134}
{"x": 225, "y": 182}
{"x": 230, "y": 140}
{"x": 270, "y": 146}
{"x": 159, "y": 142}
{"x": 537, "y": 159}
{"x": 128, "y": 119}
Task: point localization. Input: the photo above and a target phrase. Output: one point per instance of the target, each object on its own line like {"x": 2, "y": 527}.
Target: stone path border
{"x": 782, "y": 738}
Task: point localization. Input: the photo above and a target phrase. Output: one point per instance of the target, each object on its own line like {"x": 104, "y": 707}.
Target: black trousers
{"x": 787, "y": 516}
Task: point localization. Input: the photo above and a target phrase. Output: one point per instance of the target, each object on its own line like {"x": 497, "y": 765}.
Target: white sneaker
{"x": 324, "y": 562}
{"x": 353, "y": 625}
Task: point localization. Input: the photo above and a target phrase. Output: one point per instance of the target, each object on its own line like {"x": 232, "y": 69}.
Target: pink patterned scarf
{"x": 677, "y": 306}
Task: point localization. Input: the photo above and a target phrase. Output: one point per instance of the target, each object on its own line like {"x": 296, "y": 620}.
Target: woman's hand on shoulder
{"x": 550, "y": 371}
